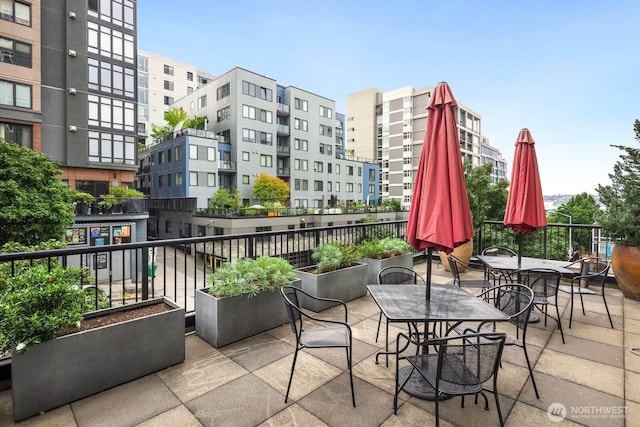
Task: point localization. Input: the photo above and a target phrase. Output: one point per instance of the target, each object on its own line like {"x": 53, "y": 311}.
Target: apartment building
{"x": 20, "y": 77}
{"x": 162, "y": 81}
{"x": 389, "y": 126}
{"x": 490, "y": 154}
{"x": 283, "y": 131}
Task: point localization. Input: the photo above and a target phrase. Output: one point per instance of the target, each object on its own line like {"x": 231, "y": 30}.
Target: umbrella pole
{"x": 429, "y": 256}
{"x": 519, "y": 254}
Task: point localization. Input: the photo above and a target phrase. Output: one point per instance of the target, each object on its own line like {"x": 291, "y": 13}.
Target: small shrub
{"x": 249, "y": 276}
{"x": 38, "y": 304}
{"x": 334, "y": 256}
{"x": 384, "y": 248}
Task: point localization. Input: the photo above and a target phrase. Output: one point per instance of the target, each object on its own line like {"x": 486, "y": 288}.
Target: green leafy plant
{"x": 107, "y": 201}
{"x": 82, "y": 197}
{"x": 249, "y": 276}
{"x": 621, "y": 218}
{"x": 9, "y": 269}
{"x": 38, "y": 304}
{"x": 335, "y": 255}
{"x": 384, "y": 248}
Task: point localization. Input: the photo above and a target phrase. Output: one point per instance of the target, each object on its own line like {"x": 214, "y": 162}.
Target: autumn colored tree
{"x": 270, "y": 189}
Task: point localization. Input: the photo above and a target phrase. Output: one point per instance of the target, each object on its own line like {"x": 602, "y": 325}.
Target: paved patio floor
{"x": 594, "y": 378}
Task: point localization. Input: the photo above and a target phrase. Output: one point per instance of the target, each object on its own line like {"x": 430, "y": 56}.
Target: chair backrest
{"x": 292, "y": 304}
{"x": 498, "y": 251}
{"x": 397, "y": 275}
{"x": 595, "y": 270}
{"x": 513, "y": 299}
{"x": 453, "y": 266}
{"x": 472, "y": 360}
{"x": 542, "y": 281}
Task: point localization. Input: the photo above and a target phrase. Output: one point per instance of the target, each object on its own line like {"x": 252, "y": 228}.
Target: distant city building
{"x": 279, "y": 130}
{"x": 489, "y": 154}
{"x": 162, "y": 81}
{"x": 390, "y": 126}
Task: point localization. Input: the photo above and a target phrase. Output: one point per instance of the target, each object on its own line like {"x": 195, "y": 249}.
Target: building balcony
{"x": 283, "y": 129}
{"x": 226, "y": 166}
{"x": 283, "y": 172}
{"x": 284, "y": 150}
{"x": 283, "y": 109}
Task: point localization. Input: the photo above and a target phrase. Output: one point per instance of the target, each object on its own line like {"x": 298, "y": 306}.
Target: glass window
{"x": 266, "y": 160}
{"x": 193, "y": 179}
{"x": 15, "y": 52}
{"x": 245, "y": 156}
{"x": 178, "y": 153}
{"x": 178, "y": 177}
{"x": 193, "y": 152}
{"x": 211, "y": 154}
{"x": 168, "y": 85}
{"x": 189, "y": 76}
{"x": 211, "y": 179}
{"x": 202, "y": 101}
{"x": 245, "y": 179}
{"x": 168, "y": 69}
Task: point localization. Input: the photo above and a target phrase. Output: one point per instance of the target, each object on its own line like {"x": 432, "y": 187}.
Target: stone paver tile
{"x": 179, "y": 416}
{"x": 198, "y": 376}
{"x": 331, "y": 403}
{"x": 294, "y": 415}
{"x": 134, "y": 402}
{"x": 310, "y": 373}
{"x": 632, "y": 386}
{"x": 244, "y": 402}
{"x": 412, "y": 416}
{"x": 363, "y": 307}
{"x": 283, "y": 333}
{"x": 588, "y": 349}
{"x": 58, "y": 417}
{"x": 601, "y": 334}
{"x": 377, "y": 374}
{"x": 523, "y": 414}
{"x": 631, "y": 309}
{"x": 582, "y": 371}
{"x": 255, "y": 352}
{"x": 632, "y": 325}
{"x": 511, "y": 379}
{"x": 632, "y": 413}
{"x": 632, "y": 359}
{"x": 366, "y": 331}
{"x": 195, "y": 347}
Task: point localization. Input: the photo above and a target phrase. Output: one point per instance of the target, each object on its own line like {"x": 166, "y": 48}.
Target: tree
{"x": 223, "y": 200}
{"x": 196, "y": 122}
{"x": 173, "y": 116}
{"x": 583, "y": 209}
{"x": 35, "y": 205}
{"x": 487, "y": 201}
{"x": 270, "y": 189}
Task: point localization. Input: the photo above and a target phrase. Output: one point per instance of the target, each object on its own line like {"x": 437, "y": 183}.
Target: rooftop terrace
{"x": 595, "y": 375}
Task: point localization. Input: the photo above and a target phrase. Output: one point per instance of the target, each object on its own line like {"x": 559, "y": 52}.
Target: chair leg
{"x": 607, "y": 307}
{"x": 349, "y": 361}
{"x": 495, "y": 394}
{"x": 559, "y": 321}
{"x": 293, "y": 366}
{"x": 571, "y": 310}
{"x": 379, "y": 321}
{"x": 533, "y": 380}
{"x": 582, "y": 304}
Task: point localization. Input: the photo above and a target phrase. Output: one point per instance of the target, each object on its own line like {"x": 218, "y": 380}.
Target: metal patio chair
{"x": 327, "y": 334}
{"x": 545, "y": 284}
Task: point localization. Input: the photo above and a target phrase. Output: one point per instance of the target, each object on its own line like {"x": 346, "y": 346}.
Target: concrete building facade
{"x": 391, "y": 126}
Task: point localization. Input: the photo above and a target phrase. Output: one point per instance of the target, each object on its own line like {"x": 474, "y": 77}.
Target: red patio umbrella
{"x": 525, "y": 205}
{"x": 440, "y": 217}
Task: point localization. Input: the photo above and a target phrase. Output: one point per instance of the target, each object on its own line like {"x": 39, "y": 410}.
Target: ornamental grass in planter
{"x": 338, "y": 274}
{"x": 243, "y": 299}
{"x": 381, "y": 253}
{"x": 56, "y": 359}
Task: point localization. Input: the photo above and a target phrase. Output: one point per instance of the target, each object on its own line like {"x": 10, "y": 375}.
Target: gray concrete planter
{"x": 222, "y": 321}
{"x": 345, "y": 284}
{"x": 375, "y": 265}
{"x": 74, "y": 366}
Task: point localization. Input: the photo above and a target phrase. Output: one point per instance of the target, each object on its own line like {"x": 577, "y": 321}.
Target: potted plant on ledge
{"x": 381, "y": 253}
{"x": 82, "y": 201}
{"x": 243, "y": 299}
{"x": 60, "y": 355}
{"x": 621, "y": 218}
{"x": 337, "y": 275}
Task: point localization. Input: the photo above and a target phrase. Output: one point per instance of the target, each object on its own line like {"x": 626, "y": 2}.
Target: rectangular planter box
{"x": 222, "y": 321}
{"x": 345, "y": 284}
{"x": 375, "y": 265}
{"x": 74, "y": 366}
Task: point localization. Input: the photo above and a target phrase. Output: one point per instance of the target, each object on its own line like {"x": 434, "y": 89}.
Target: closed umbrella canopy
{"x": 525, "y": 205}
{"x": 440, "y": 217}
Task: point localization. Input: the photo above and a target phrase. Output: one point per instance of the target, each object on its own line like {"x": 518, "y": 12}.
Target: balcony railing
{"x": 226, "y": 165}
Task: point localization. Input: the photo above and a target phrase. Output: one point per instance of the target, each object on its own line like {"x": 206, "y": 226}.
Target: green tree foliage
{"x": 621, "y": 219}
{"x": 270, "y": 189}
{"x": 583, "y": 209}
{"x": 160, "y": 132}
{"x": 196, "y": 122}
{"x": 35, "y": 205}
{"x": 486, "y": 200}
{"x": 173, "y": 116}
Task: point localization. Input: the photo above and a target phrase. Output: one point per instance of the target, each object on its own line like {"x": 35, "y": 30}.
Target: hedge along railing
{"x": 175, "y": 268}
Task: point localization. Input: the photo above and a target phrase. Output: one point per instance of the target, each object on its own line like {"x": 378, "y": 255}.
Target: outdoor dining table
{"x": 448, "y": 303}
{"x": 510, "y": 263}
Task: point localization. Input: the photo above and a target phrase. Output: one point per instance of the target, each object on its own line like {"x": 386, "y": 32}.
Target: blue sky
{"x": 567, "y": 70}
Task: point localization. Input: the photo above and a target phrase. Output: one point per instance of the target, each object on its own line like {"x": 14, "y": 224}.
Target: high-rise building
{"x": 20, "y": 78}
{"x": 162, "y": 81}
{"x": 390, "y": 127}
{"x": 88, "y": 69}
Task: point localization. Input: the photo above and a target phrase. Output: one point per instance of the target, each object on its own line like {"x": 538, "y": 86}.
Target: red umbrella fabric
{"x": 525, "y": 205}
{"x": 440, "y": 217}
